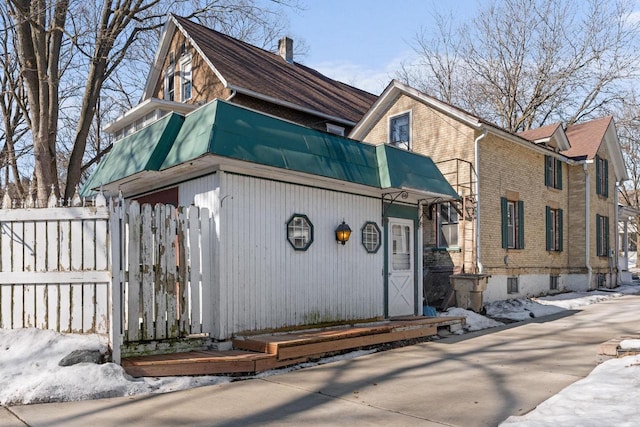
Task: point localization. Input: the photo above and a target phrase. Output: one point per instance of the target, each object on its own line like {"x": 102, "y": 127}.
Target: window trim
{"x": 184, "y": 61}
{"x": 511, "y": 280}
{"x": 390, "y": 120}
{"x": 554, "y": 229}
{"x": 169, "y": 78}
{"x": 439, "y": 235}
{"x": 290, "y": 227}
{"x": 335, "y": 129}
{"x": 554, "y": 282}
{"x": 602, "y": 236}
{"x": 364, "y": 241}
{"x": 552, "y": 172}
{"x": 517, "y": 234}
{"x": 602, "y": 176}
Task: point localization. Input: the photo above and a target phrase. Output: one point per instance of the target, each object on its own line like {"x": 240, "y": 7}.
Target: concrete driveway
{"x": 477, "y": 379}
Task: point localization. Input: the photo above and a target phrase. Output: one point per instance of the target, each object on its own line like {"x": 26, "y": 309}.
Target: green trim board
{"x": 230, "y": 131}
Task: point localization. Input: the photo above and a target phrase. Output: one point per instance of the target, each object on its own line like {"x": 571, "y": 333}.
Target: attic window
{"x": 185, "y": 78}
{"x": 169, "y": 83}
{"x": 183, "y": 49}
{"x": 400, "y": 131}
{"x": 335, "y": 129}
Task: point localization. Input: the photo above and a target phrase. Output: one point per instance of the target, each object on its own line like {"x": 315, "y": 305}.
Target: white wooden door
{"x": 401, "y": 287}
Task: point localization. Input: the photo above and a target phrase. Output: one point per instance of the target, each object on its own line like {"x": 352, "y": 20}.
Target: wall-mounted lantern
{"x": 343, "y": 232}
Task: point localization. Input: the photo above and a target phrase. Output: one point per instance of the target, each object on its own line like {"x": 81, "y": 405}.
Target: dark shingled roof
{"x": 249, "y": 67}
{"x": 585, "y": 138}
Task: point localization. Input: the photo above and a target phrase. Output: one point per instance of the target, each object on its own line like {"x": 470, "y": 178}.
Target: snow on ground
{"x": 609, "y": 396}
{"x": 29, "y": 370}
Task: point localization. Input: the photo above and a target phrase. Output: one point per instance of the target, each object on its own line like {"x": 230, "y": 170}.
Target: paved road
{"x": 472, "y": 380}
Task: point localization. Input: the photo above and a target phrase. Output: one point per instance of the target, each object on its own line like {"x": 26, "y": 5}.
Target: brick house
{"x": 194, "y": 65}
{"x": 538, "y": 209}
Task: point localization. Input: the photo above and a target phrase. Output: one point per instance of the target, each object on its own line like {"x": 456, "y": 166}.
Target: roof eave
{"x": 297, "y": 107}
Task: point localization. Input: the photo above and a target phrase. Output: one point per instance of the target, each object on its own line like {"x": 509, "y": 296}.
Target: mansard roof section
{"x": 247, "y": 69}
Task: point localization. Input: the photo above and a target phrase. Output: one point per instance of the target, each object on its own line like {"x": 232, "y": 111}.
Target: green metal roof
{"x": 227, "y": 130}
{"x": 144, "y": 150}
{"x": 403, "y": 169}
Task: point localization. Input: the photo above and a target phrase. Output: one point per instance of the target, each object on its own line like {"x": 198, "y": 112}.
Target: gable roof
{"x": 222, "y": 130}
{"x": 587, "y": 138}
{"x": 395, "y": 89}
{"x": 252, "y": 71}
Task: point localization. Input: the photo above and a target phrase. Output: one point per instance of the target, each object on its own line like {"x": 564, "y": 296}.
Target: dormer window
{"x": 400, "y": 131}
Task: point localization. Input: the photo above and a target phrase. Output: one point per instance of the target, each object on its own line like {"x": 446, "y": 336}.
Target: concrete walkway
{"x": 471, "y": 380}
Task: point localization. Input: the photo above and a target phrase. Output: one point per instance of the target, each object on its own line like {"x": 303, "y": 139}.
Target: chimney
{"x": 285, "y": 49}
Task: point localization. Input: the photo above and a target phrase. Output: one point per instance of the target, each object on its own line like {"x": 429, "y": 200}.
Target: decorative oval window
{"x": 300, "y": 232}
{"x": 371, "y": 237}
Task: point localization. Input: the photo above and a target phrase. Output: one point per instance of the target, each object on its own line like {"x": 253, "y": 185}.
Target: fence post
{"x": 116, "y": 212}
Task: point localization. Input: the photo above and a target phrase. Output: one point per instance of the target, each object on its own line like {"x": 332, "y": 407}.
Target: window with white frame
{"x": 552, "y": 172}
{"x": 399, "y": 131}
{"x": 299, "y": 232}
{"x": 185, "y": 78}
{"x": 512, "y": 212}
{"x": 371, "y": 237}
{"x": 169, "y": 83}
{"x": 447, "y": 223}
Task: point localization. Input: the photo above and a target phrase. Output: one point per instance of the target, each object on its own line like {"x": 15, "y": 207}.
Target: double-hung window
{"x": 447, "y": 226}
{"x": 169, "y": 83}
{"x": 602, "y": 235}
{"x": 552, "y": 172}
{"x": 186, "y": 78}
{"x": 400, "y": 131}
{"x": 554, "y": 229}
{"x": 602, "y": 176}
{"x": 512, "y": 223}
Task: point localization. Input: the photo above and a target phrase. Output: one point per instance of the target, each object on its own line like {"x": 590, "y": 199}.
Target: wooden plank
{"x": 64, "y": 307}
{"x": 101, "y": 312}
{"x": 170, "y": 279}
{"x": 161, "y": 273}
{"x": 45, "y": 277}
{"x": 147, "y": 261}
{"x": 101, "y": 317}
{"x": 182, "y": 282}
{"x": 207, "y": 284}
{"x": 17, "y": 306}
{"x": 53, "y": 245}
{"x": 352, "y": 343}
{"x": 6, "y": 247}
{"x": 77, "y": 257}
{"x": 6, "y": 315}
{"x": 53, "y": 214}
{"x": 29, "y": 266}
{"x": 195, "y": 276}
{"x": 133, "y": 267}
{"x": 53, "y": 307}
{"x": 116, "y": 290}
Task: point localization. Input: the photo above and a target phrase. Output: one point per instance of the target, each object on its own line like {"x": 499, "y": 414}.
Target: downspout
{"x": 614, "y": 262}
{"x": 233, "y": 93}
{"x": 476, "y": 142}
{"x": 587, "y": 204}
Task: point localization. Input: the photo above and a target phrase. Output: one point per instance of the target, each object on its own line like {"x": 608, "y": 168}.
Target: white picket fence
{"x": 161, "y": 273}
{"x": 139, "y": 273}
{"x": 54, "y": 269}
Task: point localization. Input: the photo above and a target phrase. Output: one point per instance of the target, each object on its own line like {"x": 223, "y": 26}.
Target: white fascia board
{"x": 156, "y": 67}
{"x": 561, "y": 138}
{"x": 291, "y": 105}
{"x": 145, "y": 107}
{"x": 526, "y": 143}
{"x": 613, "y": 146}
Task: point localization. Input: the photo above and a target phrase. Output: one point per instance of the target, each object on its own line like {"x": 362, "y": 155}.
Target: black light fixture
{"x": 343, "y": 232}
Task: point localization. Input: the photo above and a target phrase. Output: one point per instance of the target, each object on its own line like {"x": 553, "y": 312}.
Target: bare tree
{"x": 61, "y": 44}
{"x": 526, "y": 63}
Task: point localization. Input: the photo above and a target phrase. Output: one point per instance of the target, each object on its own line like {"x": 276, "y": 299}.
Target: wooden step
{"x": 264, "y": 352}
{"x": 198, "y": 363}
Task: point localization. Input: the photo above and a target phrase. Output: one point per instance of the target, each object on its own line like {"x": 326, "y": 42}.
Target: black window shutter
{"x": 520, "y": 225}
{"x": 560, "y": 234}
{"x": 606, "y": 235}
{"x": 598, "y": 235}
{"x": 505, "y": 230}
{"x": 547, "y": 211}
{"x": 598, "y": 189}
{"x": 606, "y": 178}
{"x": 559, "y": 174}
{"x": 547, "y": 171}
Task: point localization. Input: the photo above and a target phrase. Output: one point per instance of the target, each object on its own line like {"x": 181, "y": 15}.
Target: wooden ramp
{"x": 259, "y": 353}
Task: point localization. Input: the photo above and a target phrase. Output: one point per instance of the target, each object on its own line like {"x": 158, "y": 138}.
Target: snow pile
{"x": 609, "y": 396}
{"x": 630, "y": 344}
{"x": 520, "y": 309}
{"x": 475, "y": 321}
{"x": 29, "y": 371}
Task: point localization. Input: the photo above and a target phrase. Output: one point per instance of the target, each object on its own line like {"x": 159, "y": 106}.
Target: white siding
{"x": 265, "y": 283}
